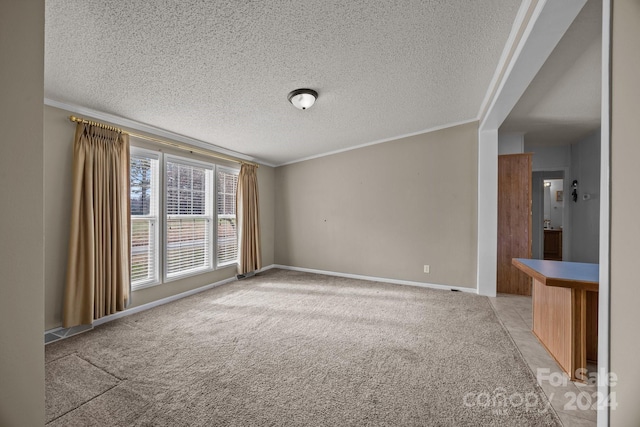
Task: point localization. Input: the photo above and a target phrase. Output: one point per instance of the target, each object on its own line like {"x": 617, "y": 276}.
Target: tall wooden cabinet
{"x": 514, "y": 221}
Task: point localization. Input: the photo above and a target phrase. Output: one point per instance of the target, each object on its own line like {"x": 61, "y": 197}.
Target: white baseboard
{"x": 147, "y": 306}
{"x": 176, "y": 297}
{"x": 268, "y": 267}
{"x": 160, "y": 302}
{"x": 377, "y": 279}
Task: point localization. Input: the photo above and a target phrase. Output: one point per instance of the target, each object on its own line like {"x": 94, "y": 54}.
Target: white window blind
{"x": 189, "y": 211}
{"x": 144, "y": 218}
{"x": 227, "y": 231}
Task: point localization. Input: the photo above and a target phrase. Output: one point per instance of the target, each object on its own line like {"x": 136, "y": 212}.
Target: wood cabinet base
{"x": 560, "y": 324}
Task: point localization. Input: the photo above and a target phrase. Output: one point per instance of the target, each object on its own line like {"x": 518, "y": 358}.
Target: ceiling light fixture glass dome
{"x": 303, "y": 98}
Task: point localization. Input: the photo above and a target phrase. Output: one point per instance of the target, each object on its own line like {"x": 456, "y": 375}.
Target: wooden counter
{"x": 565, "y": 310}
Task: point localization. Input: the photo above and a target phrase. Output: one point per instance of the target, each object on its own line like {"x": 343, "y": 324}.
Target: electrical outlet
{"x": 426, "y": 268}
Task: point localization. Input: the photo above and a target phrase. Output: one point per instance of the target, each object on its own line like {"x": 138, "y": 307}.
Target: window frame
{"x": 210, "y": 208}
{"x": 230, "y": 171}
{"x": 155, "y": 216}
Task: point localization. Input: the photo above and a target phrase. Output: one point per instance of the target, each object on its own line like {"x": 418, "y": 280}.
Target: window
{"x": 196, "y": 196}
{"x": 227, "y": 231}
{"x": 189, "y": 208}
{"x": 144, "y": 218}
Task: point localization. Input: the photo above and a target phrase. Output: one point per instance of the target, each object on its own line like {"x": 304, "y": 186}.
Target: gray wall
{"x": 549, "y": 158}
{"x": 582, "y": 159}
{"x": 585, "y": 214}
{"x": 385, "y": 210}
{"x": 22, "y": 224}
{"x": 510, "y": 143}
{"x": 625, "y": 227}
{"x": 537, "y": 215}
{"x": 551, "y": 163}
{"x": 58, "y": 154}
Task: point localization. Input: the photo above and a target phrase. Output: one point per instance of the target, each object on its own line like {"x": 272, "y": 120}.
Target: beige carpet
{"x": 289, "y": 348}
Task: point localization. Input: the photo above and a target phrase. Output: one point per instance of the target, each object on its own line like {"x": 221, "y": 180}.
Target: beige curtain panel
{"x": 249, "y": 255}
{"x": 98, "y": 275}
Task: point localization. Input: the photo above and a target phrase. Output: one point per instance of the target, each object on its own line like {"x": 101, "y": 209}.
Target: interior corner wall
{"x": 585, "y": 214}
{"x": 22, "y": 226}
{"x": 385, "y": 210}
{"x": 58, "y": 156}
{"x": 625, "y": 227}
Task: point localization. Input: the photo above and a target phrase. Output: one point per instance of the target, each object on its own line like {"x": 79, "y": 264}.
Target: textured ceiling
{"x": 220, "y": 71}
{"x": 562, "y": 103}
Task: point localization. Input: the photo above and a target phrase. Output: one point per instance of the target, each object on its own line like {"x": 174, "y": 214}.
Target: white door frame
{"x": 548, "y": 23}
{"x": 604, "y": 289}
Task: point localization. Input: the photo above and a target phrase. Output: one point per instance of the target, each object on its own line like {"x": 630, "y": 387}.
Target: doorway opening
{"x": 550, "y": 220}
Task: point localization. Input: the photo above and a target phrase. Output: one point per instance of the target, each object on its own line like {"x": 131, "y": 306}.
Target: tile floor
{"x": 565, "y": 396}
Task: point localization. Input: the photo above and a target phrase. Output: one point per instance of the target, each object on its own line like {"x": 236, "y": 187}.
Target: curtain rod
{"x": 164, "y": 142}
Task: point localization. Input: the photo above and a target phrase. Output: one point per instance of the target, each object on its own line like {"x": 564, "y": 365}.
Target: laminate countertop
{"x": 564, "y": 274}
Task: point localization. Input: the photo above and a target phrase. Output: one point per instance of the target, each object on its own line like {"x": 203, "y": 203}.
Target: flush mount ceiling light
{"x": 303, "y": 98}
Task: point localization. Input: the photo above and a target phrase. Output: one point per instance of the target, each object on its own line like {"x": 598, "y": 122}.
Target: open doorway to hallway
{"x": 550, "y": 223}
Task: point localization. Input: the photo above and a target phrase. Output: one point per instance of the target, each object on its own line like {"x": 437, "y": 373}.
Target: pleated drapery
{"x": 249, "y": 257}
{"x": 98, "y": 267}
